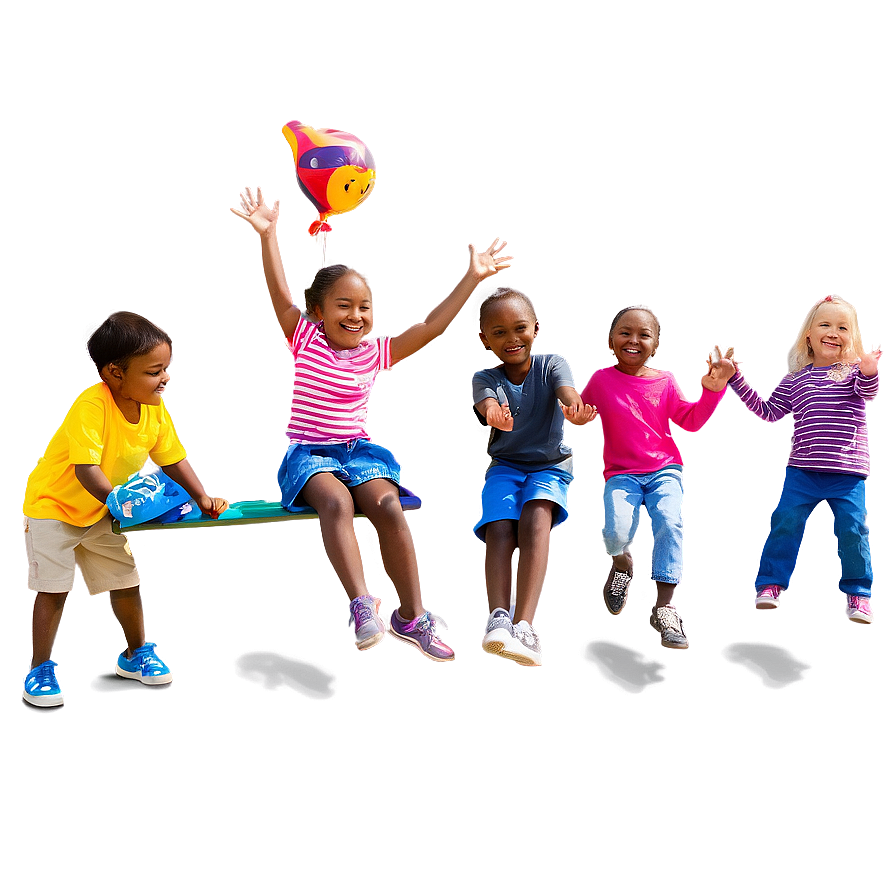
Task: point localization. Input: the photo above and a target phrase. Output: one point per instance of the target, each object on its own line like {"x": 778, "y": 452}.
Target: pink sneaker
{"x": 767, "y": 598}
{"x": 858, "y": 609}
{"x": 421, "y": 632}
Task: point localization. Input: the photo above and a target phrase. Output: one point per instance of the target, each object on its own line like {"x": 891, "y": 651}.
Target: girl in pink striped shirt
{"x": 330, "y": 463}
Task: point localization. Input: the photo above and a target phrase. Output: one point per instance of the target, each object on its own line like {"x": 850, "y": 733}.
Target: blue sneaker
{"x": 421, "y": 632}
{"x": 144, "y": 666}
{"x": 41, "y": 687}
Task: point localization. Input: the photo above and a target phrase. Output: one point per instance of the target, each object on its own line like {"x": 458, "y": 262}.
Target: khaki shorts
{"x": 55, "y": 547}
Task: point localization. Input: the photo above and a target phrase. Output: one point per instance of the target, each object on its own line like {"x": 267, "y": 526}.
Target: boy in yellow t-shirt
{"x": 106, "y": 437}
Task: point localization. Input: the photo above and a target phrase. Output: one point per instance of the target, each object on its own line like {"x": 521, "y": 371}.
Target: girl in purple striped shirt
{"x": 330, "y": 463}
{"x": 830, "y": 379}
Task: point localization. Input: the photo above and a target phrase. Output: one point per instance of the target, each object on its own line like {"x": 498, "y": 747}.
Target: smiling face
{"x": 346, "y": 312}
{"x": 830, "y": 335}
{"x": 140, "y": 382}
{"x": 634, "y": 340}
{"x": 509, "y": 328}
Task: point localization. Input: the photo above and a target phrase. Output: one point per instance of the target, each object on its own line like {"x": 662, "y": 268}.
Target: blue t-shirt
{"x": 536, "y": 440}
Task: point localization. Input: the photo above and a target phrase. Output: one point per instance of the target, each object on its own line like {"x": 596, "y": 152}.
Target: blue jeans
{"x": 803, "y": 491}
{"x": 661, "y": 493}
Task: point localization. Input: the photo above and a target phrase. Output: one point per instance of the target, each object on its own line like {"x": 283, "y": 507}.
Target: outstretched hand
{"x": 721, "y": 369}
{"x": 868, "y": 363}
{"x": 499, "y": 416}
{"x": 484, "y": 264}
{"x": 256, "y": 212}
{"x": 579, "y": 414}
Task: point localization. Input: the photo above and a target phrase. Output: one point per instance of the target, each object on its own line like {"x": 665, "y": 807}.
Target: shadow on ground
{"x": 272, "y": 671}
{"x": 775, "y": 666}
{"x": 623, "y": 666}
{"x": 112, "y": 682}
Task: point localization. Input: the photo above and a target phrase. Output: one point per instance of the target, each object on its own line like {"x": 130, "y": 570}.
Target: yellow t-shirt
{"x": 95, "y": 432}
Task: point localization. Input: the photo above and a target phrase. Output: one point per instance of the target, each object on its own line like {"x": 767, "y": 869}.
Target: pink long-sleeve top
{"x": 635, "y": 412}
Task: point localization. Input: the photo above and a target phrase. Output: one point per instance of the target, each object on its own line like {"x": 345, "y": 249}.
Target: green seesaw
{"x": 247, "y": 512}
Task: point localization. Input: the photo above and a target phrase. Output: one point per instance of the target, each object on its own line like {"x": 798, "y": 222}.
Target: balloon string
{"x": 322, "y": 242}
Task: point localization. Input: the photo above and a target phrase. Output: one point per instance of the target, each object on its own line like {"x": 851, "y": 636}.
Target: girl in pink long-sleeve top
{"x": 642, "y": 464}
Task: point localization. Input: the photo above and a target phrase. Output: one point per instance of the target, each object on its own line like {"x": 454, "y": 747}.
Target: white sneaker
{"x": 526, "y": 648}
{"x": 498, "y": 632}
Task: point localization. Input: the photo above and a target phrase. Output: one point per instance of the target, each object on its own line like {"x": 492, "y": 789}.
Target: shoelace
{"x": 619, "y": 583}
{"x": 146, "y": 658}
{"x": 42, "y": 677}
{"x": 669, "y": 618}
{"x": 527, "y": 636}
{"x": 427, "y": 623}
{"x": 361, "y": 612}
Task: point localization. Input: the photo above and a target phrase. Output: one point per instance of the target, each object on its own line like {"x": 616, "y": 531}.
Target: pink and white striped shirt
{"x": 332, "y": 388}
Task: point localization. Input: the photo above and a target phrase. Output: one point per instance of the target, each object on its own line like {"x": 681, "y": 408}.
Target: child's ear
{"x": 111, "y": 375}
{"x": 484, "y": 341}
{"x": 535, "y": 331}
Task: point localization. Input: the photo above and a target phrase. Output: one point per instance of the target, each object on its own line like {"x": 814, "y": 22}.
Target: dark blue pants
{"x": 803, "y": 491}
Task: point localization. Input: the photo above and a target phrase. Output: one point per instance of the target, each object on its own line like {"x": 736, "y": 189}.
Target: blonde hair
{"x": 801, "y": 353}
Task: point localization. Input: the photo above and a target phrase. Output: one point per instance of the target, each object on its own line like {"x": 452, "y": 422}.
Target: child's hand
{"x": 212, "y": 507}
{"x": 484, "y": 264}
{"x": 256, "y": 212}
{"x": 721, "y": 369}
{"x": 868, "y": 363}
{"x": 579, "y": 414}
{"x": 499, "y": 416}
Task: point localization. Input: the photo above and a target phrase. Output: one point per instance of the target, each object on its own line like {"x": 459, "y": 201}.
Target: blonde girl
{"x": 829, "y": 380}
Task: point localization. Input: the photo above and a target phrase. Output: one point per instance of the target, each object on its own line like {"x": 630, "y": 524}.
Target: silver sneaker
{"x": 668, "y": 623}
{"x": 498, "y": 632}
{"x": 525, "y": 648}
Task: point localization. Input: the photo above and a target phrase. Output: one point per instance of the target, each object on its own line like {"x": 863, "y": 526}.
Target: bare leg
{"x": 379, "y": 501}
{"x": 534, "y": 534}
{"x": 336, "y": 509}
{"x": 623, "y": 562}
{"x": 128, "y": 609}
{"x": 48, "y": 607}
{"x": 500, "y": 543}
{"x": 664, "y": 592}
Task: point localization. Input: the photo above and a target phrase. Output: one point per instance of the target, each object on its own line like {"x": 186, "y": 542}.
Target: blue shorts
{"x": 353, "y": 463}
{"x": 508, "y": 488}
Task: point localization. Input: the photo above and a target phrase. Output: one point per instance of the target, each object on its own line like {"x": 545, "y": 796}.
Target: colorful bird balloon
{"x": 335, "y": 170}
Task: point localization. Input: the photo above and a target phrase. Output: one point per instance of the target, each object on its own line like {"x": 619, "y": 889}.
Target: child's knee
{"x": 335, "y": 505}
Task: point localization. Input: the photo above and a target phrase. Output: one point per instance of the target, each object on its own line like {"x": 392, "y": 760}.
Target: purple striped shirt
{"x": 828, "y": 407}
{"x": 332, "y": 388}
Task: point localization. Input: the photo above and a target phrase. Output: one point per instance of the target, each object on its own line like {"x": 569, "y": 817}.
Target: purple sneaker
{"x": 369, "y": 628}
{"x": 858, "y": 608}
{"x": 421, "y": 632}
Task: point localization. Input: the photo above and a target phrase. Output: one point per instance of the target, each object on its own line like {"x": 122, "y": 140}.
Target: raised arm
{"x": 867, "y": 381}
{"x": 264, "y": 220}
{"x": 482, "y": 265}
{"x": 778, "y": 404}
{"x": 721, "y": 369}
